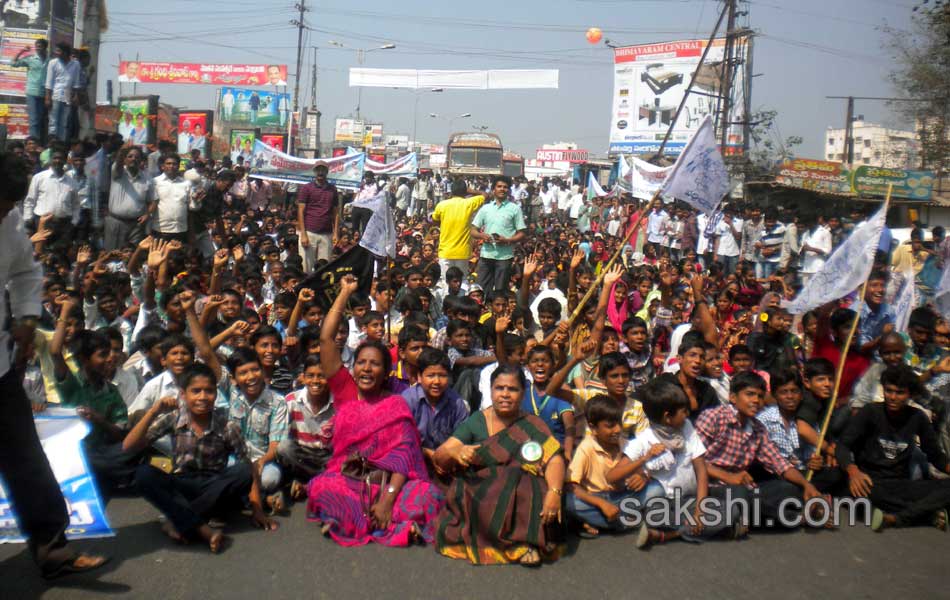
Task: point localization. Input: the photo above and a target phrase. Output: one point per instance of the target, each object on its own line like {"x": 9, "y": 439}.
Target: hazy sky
{"x": 806, "y": 49}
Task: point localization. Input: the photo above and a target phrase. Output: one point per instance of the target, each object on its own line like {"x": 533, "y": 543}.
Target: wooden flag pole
{"x": 844, "y": 357}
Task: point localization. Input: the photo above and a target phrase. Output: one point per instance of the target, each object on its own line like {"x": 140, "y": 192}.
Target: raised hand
{"x": 306, "y": 295}
{"x": 84, "y": 255}
{"x": 349, "y": 284}
{"x": 613, "y": 275}
{"x": 157, "y": 254}
{"x": 238, "y": 253}
{"x": 187, "y": 299}
{"x": 577, "y": 258}
{"x": 502, "y": 323}
{"x": 531, "y": 265}
{"x": 221, "y": 257}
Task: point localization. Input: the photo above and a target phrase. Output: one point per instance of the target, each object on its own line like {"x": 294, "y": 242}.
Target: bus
{"x": 474, "y": 154}
{"x": 512, "y": 164}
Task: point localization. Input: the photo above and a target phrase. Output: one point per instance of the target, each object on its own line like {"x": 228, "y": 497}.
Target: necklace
{"x": 534, "y": 401}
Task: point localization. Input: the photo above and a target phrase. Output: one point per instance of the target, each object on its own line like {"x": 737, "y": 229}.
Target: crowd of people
{"x": 501, "y": 383}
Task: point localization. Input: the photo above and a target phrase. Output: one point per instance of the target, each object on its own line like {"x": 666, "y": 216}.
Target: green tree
{"x": 768, "y": 149}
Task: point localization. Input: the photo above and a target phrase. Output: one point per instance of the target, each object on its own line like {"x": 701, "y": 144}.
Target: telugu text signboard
{"x": 649, "y": 83}
{"x": 200, "y": 73}
{"x": 815, "y": 175}
{"x": 834, "y": 178}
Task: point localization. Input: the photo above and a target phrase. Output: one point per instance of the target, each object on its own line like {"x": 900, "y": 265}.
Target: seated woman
{"x": 506, "y": 465}
{"x": 392, "y": 501}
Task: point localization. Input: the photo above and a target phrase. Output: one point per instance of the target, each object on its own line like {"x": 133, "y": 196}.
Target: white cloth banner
{"x": 905, "y": 302}
{"x": 646, "y": 179}
{"x": 699, "y": 176}
{"x": 379, "y": 237}
{"x": 593, "y": 187}
{"x": 846, "y": 269}
{"x": 499, "y": 79}
{"x": 407, "y": 165}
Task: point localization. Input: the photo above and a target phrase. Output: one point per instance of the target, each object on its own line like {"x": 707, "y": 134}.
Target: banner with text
{"x": 835, "y": 178}
{"x": 61, "y": 432}
{"x": 268, "y": 163}
{"x": 199, "y": 73}
{"x": 406, "y": 166}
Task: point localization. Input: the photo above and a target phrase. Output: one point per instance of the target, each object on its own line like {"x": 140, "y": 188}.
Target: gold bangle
{"x": 555, "y": 490}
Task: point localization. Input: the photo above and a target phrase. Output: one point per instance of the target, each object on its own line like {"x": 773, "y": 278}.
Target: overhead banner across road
{"x": 497, "y": 79}
{"x": 649, "y": 83}
{"x": 202, "y": 73}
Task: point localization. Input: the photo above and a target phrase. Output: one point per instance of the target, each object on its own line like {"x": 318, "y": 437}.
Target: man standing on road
{"x": 36, "y": 65}
{"x": 454, "y": 216}
{"x": 129, "y": 195}
{"x": 500, "y": 225}
{"x": 34, "y": 492}
{"x": 173, "y": 194}
{"x": 316, "y": 218}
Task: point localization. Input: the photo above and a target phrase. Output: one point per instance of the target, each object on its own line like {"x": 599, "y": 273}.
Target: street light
{"x": 415, "y": 109}
{"x": 451, "y": 119}
{"x": 360, "y": 59}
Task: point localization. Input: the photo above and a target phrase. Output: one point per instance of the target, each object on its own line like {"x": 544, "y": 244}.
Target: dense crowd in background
{"x": 498, "y": 384}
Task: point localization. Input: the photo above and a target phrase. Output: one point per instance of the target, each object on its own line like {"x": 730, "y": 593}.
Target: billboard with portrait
{"x": 278, "y": 141}
{"x": 257, "y": 108}
{"x": 137, "y": 116}
{"x": 194, "y": 129}
{"x": 241, "y": 144}
{"x": 131, "y": 71}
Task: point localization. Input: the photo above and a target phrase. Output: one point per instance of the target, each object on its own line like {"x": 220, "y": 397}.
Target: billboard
{"x": 131, "y": 71}
{"x": 16, "y": 119}
{"x": 348, "y": 130}
{"x": 241, "y": 144}
{"x": 137, "y": 119}
{"x": 562, "y": 155}
{"x": 277, "y": 141}
{"x": 13, "y": 79}
{"x": 254, "y": 108}
{"x": 835, "y": 178}
{"x": 29, "y": 14}
{"x": 649, "y": 83}
{"x": 194, "y": 129}
{"x": 372, "y": 134}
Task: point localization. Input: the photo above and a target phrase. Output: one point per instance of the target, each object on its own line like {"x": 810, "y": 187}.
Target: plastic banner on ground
{"x": 499, "y": 79}
{"x": 345, "y": 172}
{"x": 131, "y": 71}
{"x": 699, "y": 176}
{"x": 406, "y": 166}
{"x": 61, "y": 432}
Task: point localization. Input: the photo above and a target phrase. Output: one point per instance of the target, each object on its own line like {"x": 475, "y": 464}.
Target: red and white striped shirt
{"x": 306, "y": 427}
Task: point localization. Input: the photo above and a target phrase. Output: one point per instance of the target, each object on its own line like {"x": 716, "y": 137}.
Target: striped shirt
{"x": 308, "y": 428}
{"x": 771, "y": 240}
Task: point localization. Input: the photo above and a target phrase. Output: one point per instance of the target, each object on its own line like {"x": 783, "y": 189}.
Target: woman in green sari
{"x": 504, "y": 504}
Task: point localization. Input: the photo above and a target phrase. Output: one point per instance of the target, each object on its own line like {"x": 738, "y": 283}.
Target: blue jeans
{"x": 729, "y": 263}
{"x": 36, "y": 108}
{"x": 765, "y": 269}
{"x": 591, "y": 515}
{"x": 58, "y": 120}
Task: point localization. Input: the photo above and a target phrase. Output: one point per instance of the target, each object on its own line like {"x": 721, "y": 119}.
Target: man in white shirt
{"x": 130, "y": 192}
{"x": 816, "y": 247}
{"x": 54, "y": 193}
{"x": 563, "y": 201}
{"x": 728, "y": 235}
{"x": 656, "y": 225}
{"x": 169, "y": 210}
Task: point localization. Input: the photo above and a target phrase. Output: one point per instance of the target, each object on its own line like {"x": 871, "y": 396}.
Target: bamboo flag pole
{"x": 605, "y": 268}
{"x": 844, "y": 357}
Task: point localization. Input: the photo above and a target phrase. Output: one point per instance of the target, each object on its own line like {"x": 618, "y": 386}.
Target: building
{"x": 875, "y": 145}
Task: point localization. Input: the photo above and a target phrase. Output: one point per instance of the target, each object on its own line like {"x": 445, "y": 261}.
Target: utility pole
{"x": 728, "y": 73}
{"x": 302, "y": 7}
{"x": 849, "y": 132}
{"x": 314, "y": 112}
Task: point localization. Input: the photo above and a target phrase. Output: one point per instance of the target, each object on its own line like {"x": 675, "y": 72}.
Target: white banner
{"x": 646, "y": 179}
{"x": 379, "y": 237}
{"x": 405, "y": 166}
{"x": 344, "y": 172}
{"x": 905, "y": 302}
{"x": 846, "y": 269}
{"x": 506, "y": 79}
{"x": 699, "y": 176}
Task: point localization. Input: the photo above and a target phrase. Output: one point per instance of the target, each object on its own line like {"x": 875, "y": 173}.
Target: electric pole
{"x": 302, "y": 6}
{"x": 728, "y": 73}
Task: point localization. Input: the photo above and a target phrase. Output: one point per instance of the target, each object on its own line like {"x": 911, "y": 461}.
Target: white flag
{"x": 379, "y": 237}
{"x": 699, "y": 176}
{"x": 593, "y": 188}
{"x": 646, "y": 179}
{"x": 905, "y": 302}
{"x": 846, "y": 269}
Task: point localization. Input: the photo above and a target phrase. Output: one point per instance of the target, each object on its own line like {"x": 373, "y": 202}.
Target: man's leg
{"x": 306, "y": 253}
{"x": 162, "y": 491}
{"x": 585, "y": 513}
{"x": 502, "y": 274}
{"x": 301, "y": 463}
{"x": 486, "y": 275}
{"x": 322, "y": 244}
{"x": 36, "y": 108}
{"x": 910, "y": 501}
{"x": 771, "y": 494}
{"x": 223, "y": 491}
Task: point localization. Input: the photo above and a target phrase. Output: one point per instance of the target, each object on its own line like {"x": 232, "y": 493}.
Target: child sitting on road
{"x": 309, "y": 443}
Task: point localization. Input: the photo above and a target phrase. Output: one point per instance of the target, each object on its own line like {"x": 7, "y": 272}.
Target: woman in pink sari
{"x": 371, "y": 425}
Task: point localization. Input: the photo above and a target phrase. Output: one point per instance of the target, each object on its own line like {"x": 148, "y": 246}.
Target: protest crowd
{"x": 532, "y": 362}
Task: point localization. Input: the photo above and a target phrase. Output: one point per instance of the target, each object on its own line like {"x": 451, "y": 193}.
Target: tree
{"x": 923, "y": 72}
{"x": 767, "y": 149}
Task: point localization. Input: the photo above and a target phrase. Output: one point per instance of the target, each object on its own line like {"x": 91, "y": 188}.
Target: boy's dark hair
{"x": 540, "y": 349}
{"x": 196, "y": 370}
{"x": 609, "y": 362}
{"x": 433, "y": 357}
{"x": 359, "y": 299}
{"x": 411, "y": 333}
{"x": 747, "y": 379}
{"x": 784, "y": 376}
{"x": 455, "y": 325}
{"x": 240, "y": 357}
{"x": 450, "y": 304}
{"x": 815, "y": 367}
{"x": 550, "y": 306}
{"x": 285, "y": 299}
{"x": 901, "y": 377}
{"x": 454, "y": 273}
{"x": 307, "y": 336}
{"x": 176, "y": 339}
{"x": 262, "y": 332}
{"x": 113, "y": 334}
{"x": 878, "y": 275}
{"x": 512, "y": 343}
{"x": 632, "y": 323}
{"x": 502, "y": 178}
{"x": 87, "y": 343}
{"x": 417, "y": 318}
{"x": 842, "y": 317}
{"x": 923, "y": 318}
{"x": 661, "y": 396}
{"x": 409, "y": 303}
{"x": 739, "y": 349}
{"x": 693, "y": 339}
{"x": 498, "y": 294}
{"x": 369, "y": 317}
{"x": 414, "y": 271}
{"x": 311, "y": 360}
{"x": 149, "y": 337}
{"x": 469, "y": 307}
{"x": 601, "y": 408}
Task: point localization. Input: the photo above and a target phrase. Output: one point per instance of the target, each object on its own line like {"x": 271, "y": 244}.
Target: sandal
{"x": 277, "y": 503}
{"x": 877, "y": 520}
{"x": 298, "y": 491}
{"x": 80, "y": 563}
{"x": 531, "y": 558}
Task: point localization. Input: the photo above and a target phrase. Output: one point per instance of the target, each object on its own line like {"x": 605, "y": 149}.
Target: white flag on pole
{"x": 593, "y": 188}
{"x": 379, "y": 237}
{"x": 905, "y": 302}
{"x": 845, "y": 270}
{"x": 699, "y": 176}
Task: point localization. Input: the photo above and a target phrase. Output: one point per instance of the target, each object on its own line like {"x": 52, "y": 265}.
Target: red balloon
{"x": 594, "y": 34}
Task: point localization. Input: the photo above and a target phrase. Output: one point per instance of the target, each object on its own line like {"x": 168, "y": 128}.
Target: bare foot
{"x": 277, "y": 503}
{"x": 214, "y": 537}
{"x": 890, "y": 520}
{"x": 173, "y": 534}
{"x": 940, "y": 520}
{"x": 298, "y": 491}
{"x": 589, "y": 531}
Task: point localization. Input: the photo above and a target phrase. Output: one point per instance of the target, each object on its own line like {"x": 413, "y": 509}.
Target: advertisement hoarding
{"x": 17, "y": 120}
{"x": 194, "y": 129}
{"x": 13, "y": 79}
{"x": 241, "y": 144}
{"x": 649, "y": 83}
{"x": 348, "y": 130}
{"x": 200, "y": 73}
{"x": 137, "y": 119}
{"x": 278, "y": 141}
{"x": 559, "y": 155}
{"x": 252, "y": 107}
{"x": 835, "y": 178}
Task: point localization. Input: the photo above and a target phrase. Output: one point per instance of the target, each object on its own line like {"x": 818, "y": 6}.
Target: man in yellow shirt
{"x": 454, "y": 216}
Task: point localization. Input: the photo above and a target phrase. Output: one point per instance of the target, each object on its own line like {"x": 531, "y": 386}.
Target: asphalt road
{"x": 296, "y": 562}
